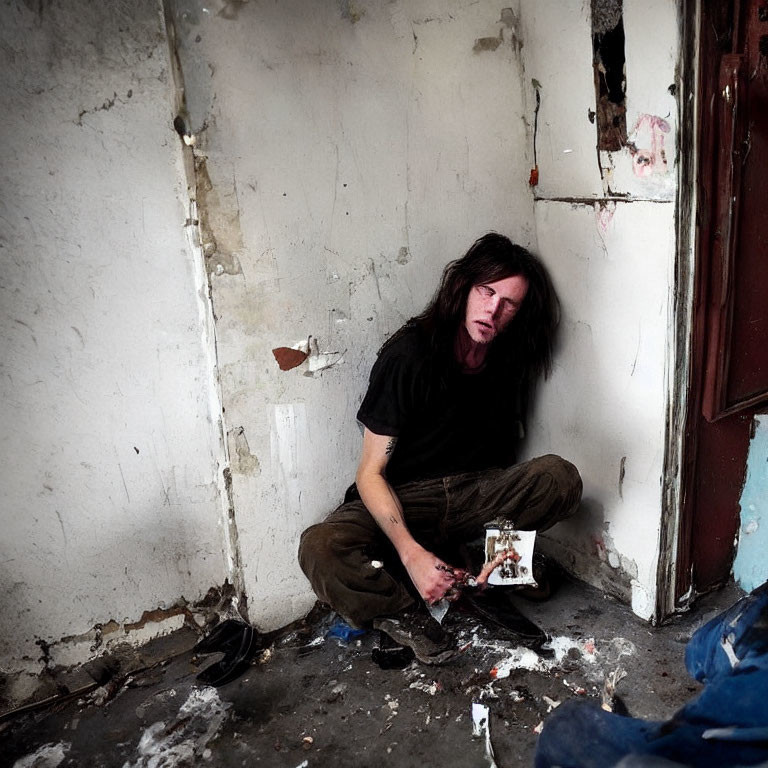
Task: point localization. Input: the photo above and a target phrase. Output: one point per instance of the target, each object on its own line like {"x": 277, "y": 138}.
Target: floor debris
{"x": 481, "y": 728}
{"x": 430, "y": 688}
{"x": 551, "y": 703}
{"x": 336, "y": 695}
{"x": 183, "y": 741}
{"x": 47, "y": 756}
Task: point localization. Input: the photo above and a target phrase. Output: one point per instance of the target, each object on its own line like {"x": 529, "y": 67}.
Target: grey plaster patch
{"x": 488, "y": 43}
{"x": 220, "y": 233}
{"x": 243, "y": 461}
{"x": 403, "y": 255}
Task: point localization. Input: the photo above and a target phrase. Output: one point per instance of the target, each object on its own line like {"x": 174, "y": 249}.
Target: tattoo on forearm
{"x": 390, "y": 446}
{"x": 393, "y": 520}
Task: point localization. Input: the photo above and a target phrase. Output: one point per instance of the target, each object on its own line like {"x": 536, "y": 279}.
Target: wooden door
{"x": 729, "y": 365}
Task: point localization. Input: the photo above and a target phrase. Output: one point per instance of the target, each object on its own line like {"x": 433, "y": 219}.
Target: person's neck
{"x": 470, "y": 354}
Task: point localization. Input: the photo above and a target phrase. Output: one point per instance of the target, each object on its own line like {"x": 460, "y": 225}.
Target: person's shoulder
{"x": 407, "y": 342}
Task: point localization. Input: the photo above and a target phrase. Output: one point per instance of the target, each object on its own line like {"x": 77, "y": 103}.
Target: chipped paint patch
{"x": 242, "y": 460}
{"x": 289, "y": 358}
{"x": 309, "y": 350}
{"x": 487, "y": 43}
{"x": 604, "y": 212}
{"x": 220, "y": 235}
{"x": 646, "y": 145}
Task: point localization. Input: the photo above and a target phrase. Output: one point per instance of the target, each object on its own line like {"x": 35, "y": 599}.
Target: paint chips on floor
{"x": 47, "y": 756}
{"x": 183, "y": 741}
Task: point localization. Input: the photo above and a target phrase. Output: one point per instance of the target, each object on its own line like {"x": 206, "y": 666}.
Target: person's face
{"x": 491, "y": 307}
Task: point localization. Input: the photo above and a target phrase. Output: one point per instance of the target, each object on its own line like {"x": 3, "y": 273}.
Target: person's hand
{"x": 433, "y": 578}
{"x": 492, "y": 565}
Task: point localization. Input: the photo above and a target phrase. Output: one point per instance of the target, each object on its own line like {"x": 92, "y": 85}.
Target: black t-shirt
{"x": 446, "y": 422}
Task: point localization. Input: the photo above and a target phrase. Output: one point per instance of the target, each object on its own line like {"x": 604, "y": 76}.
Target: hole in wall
{"x": 610, "y": 79}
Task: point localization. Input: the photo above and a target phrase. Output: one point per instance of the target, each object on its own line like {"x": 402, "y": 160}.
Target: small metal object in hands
{"x": 461, "y": 580}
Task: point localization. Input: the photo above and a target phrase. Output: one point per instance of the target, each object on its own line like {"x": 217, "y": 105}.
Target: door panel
{"x": 737, "y": 349}
{"x": 729, "y": 347}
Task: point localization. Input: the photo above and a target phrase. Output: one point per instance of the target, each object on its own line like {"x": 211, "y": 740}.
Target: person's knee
{"x": 314, "y": 546}
{"x": 566, "y": 482}
{"x": 566, "y": 476}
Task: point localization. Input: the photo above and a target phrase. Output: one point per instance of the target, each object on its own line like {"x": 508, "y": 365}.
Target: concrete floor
{"x": 318, "y": 702}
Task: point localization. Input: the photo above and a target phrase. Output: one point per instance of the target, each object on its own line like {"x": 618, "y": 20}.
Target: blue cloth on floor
{"x": 725, "y": 725}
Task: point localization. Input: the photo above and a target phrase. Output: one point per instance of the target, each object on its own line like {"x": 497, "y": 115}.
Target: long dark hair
{"x": 524, "y": 348}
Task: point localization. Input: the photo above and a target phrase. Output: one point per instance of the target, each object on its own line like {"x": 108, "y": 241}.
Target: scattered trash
{"x": 539, "y": 728}
{"x": 303, "y": 764}
{"x": 551, "y": 703}
{"x": 481, "y": 729}
{"x": 377, "y": 564}
{"x": 342, "y": 631}
{"x": 726, "y": 723}
{"x": 610, "y": 702}
{"x": 519, "y": 658}
{"x": 616, "y": 649}
{"x": 577, "y": 689}
{"x": 307, "y": 742}
{"x": 439, "y": 609}
{"x": 516, "y": 696}
{"x": 487, "y": 692}
{"x": 430, "y": 688}
{"x": 182, "y": 741}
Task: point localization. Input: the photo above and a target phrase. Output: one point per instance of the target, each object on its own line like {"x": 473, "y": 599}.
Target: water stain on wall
{"x": 350, "y": 11}
{"x": 220, "y": 232}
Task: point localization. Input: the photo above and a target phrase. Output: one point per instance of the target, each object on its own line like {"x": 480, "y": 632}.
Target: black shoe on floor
{"x": 495, "y": 607}
{"x": 239, "y": 643}
{"x": 548, "y": 577}
{"x": 430, "y": 643}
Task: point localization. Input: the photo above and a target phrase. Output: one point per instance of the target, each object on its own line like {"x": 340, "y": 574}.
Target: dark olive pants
{"x": 441, "y": 514}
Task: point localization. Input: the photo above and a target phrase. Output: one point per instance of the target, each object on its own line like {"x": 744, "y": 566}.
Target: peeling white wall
{"x": 347, "y": 152}
{"x": 363, "y": 145}
{"x": 613, "y": 266}
{"x": 109, "y": 448}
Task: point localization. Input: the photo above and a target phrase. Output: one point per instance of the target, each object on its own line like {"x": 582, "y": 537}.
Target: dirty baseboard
{"x": 78, "y": 664}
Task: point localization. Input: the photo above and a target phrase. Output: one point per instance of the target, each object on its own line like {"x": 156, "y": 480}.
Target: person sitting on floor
{"x": 443, "y": 417}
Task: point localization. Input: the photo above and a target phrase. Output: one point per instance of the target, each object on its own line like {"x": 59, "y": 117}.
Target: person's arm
{"x": 378, "y": 496}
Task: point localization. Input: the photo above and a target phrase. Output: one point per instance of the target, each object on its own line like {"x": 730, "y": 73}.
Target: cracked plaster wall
{"x": 109, "y": 445}
{"x": 352, "y": 150}
{"x": 345, "y": 153}
{"x": 614, "y": 267}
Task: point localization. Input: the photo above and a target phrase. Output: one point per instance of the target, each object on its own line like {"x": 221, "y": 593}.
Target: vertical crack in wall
{"x": 610, "y": 78}
{"x": 195, "y": 239}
